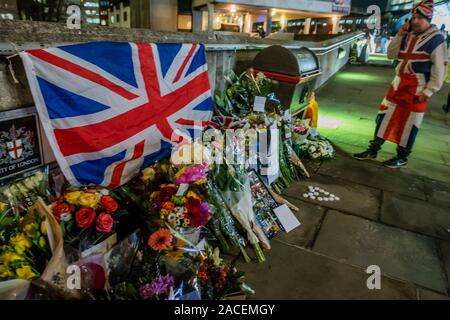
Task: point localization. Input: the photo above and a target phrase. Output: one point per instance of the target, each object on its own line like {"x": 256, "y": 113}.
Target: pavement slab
{"x": 310, "y": 216}
{"x": 445, "y": 250}
{"x": 438, "y": 192}
{"x": 354, "y": 198}
{"x": 400, "y": 254}
{"x": 374, "y": 176}
{"x": 415, "y": 215}
{"x": 307, "y": 275}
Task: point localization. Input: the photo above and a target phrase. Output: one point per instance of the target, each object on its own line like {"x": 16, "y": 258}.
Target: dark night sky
{"x": 366, "y": 3}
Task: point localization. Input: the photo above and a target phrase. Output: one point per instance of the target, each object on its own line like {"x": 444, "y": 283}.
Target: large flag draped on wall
{"x": 110, "y": 109}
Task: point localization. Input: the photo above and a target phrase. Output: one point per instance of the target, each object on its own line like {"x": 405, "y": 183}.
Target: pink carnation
{"x": 193, "y": 173}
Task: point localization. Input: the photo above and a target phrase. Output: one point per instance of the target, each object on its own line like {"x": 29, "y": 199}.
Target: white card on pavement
{"x": 288, "y": 220}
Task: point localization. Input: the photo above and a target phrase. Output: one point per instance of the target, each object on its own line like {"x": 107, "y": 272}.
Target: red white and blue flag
{"x": 110, "y": 109}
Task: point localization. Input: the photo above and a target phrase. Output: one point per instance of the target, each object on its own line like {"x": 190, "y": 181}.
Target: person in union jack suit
{"x": 421, "y": 51}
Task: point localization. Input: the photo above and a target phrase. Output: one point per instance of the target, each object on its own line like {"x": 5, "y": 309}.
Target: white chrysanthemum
{"x": 172, "y": 217}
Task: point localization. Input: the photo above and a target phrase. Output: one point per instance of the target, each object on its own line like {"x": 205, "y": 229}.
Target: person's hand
{"x": 422, "y": 98}
{"x": 404, "y": 29}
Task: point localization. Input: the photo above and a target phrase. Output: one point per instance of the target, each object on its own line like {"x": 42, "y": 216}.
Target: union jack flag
{"x": 110, "y": 109}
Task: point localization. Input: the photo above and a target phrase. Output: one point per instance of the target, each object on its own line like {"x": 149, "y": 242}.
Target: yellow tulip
{"x": 88, "y": 200}
{"x": 2, "y": 206}
{"x": 5, "y": 272}
{"x": 21, "y": 241}
{"x": 72, "y": 197}
{"x": 43, "y": 228}
{"x": 25, "y": 273}
{"x": 31, "y": 229}
{"x": 42, "y": 242}
{"x": 9, "y": 256}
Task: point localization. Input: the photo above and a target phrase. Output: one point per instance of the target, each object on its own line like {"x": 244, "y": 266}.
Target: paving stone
{"x": 438, "y": 192}
{"x": 432, "y": 170}
{"x": 430, "y": 295}
{"x": 291, "y": 273}
{"x": 400, "y": 254}
{"x": 354, "y": 198}
{"x": 375, "y": 176}
{"x": 310, "y": 216}
{"x": 416, "y": 215}
{"x": 445, "y": 249}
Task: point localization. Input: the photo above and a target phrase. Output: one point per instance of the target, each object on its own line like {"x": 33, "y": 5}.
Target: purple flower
{"x": 159, "y": 287}
{"x": 156, "y": 205}
{"x": 204, "y": 207}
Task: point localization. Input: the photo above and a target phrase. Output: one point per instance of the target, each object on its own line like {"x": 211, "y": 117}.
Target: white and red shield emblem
{"x": 15, "y": 148}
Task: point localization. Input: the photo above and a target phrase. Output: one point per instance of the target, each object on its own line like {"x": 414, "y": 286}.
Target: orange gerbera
{"x": 160, "y": 239}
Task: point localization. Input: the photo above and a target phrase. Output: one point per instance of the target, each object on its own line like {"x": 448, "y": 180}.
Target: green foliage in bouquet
{"x": 239, "y": 97}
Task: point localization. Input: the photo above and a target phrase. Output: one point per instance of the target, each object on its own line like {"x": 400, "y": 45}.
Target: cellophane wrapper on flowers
{"x": 162, "y": 269}
{"x": 21, "y": 194}
{"x": 217, "y": 278}
{"x": 87, "y": 217}
{"x": 232, "y": 181}
{"x": 31, "y": 249}
{"x": 288, "y": 171}
{"x": 179, "y": 268}
{"x": 185, "y": 213}
{"x": 238, "y": 98}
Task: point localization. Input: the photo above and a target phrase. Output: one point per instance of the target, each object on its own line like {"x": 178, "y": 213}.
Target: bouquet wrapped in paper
{"x": 31, "y": 248}
{"x": 22, "y": 194}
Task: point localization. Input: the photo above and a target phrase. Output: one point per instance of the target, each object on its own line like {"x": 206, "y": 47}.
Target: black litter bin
{"x": 295, "y": 70}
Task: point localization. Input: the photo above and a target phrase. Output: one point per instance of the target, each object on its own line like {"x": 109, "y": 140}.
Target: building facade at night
{"x": 158, "y": 15}
{"x": 8, "y": 9}
{"x": 301, "y": 16}
{"x": 104, "y": 12}
{"x": 119, "y": 14}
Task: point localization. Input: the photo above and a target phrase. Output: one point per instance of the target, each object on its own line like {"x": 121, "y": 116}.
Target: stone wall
{"x": 224, "y": 51}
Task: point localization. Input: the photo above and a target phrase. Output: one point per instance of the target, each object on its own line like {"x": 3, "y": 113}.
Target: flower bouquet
{"x": 238, "y": 98}
{"x": 234, "y": 186}
{"x": 86, "y": 216}
{"x": 30, "y": 249}
{"x": 300, "y": 131}
{"x": 317, "y": 149}
{"x": 24, "y": 248}
{"x": 22, "y": 194}
{"x": 218, "y": 279}
{"x": 165, "y": 262}
{"x": 185, "y": 211}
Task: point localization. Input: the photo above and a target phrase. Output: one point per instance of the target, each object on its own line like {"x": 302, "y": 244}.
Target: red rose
{"x": 108, "y": 204}
{"x": 85, "y": 217}
{"x": 61, "y": 207}
{"x": 104, "y": 223}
